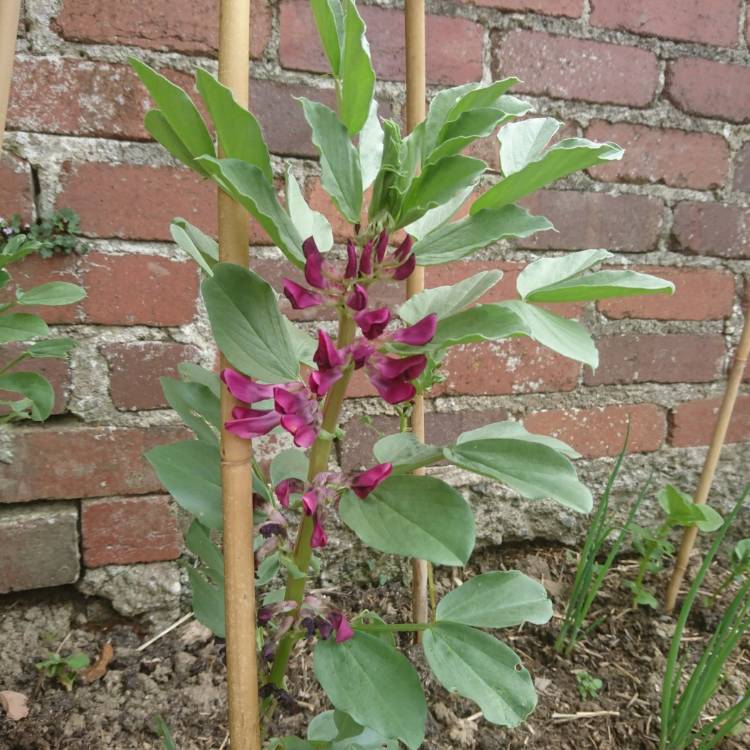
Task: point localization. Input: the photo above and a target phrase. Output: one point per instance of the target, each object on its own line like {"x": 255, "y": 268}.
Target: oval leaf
{"x": 53, "y": 293}
{"x": 33, "y": 387}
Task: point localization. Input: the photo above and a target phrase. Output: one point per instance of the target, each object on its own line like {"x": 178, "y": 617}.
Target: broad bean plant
{"x": 288, "y": 382}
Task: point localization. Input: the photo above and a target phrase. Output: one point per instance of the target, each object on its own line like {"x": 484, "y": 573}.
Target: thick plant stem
{"x": 415, "y": 113}
{"x": 10, "y": 11}
{"x": 236, "y": 453}
{"x": 712, "y": 459}
{"x": 319, "y": 455}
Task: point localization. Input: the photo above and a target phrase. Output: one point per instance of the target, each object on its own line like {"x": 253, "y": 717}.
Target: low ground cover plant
{"x": 290, "y": 384}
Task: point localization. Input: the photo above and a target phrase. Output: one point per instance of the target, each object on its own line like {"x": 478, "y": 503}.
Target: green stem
{"x": 402, "y": 627}
{"x": 319, "y": 455}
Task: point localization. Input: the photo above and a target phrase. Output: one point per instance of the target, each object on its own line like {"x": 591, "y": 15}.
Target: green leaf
{"x": 309, "y": 223}
{"x": 177, "y": 109}
{"x": 4, "y": 278}
{"x": 517, "y": 431}
{"x": 454, "y": 241}
{"x": 51, "y": 348}
{"x": 489, "y": 322}
{"x": 532, "y": 469}
{"x": 237, "y": 130}
{"x": 385, "y": 198}
{"x": 20, "y": 327}
{"x": 197, "y": 406}
{"x": 375, "y": 685}
{"x": 161, "y": 131}
{"x": 193, "y": 373}
{"x": 247, "y": 325}
{"x": 564, "y": 158}
{"x": 500, "y": 599}
{"x": 190, "y": 471}
{"x": 545, "y": 272}
{"x": 329, "y": 18}
{"x": 52, "y": 293}
{"x": 208, "y": 602}
{"x": 198, "y": 541}
{"x": 33, "y": 387}
{"x": 339, "y": 162}
{"x": 682, "y": 511}
{"x": 289, "y": 463}
{"x": 562, "y": 335}
{"x": 303, "y": 344}
{"x": 340, "y": 732}
{"x": 480, "y": 667}
{"x": 204, "y": 250}
{"x": 356, "y": 74}
{"x": 602, "y": 285}
{"x": 524, "y": 142}
{"x": 371, "y": 146}
{"x": 405, "y": 452}
{"x": 413, "y": 516}
{"x": 437, "y": 184}
{"x": 467, "y": 128}
{"x": 247, "y": 185}
{"x": 446, "y": 300}
{"x": 438, "y": 216}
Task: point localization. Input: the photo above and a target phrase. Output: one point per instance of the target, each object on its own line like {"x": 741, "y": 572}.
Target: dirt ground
{"x": 182, "y": 678}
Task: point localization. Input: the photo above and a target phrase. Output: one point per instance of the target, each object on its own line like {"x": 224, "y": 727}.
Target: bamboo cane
{"x": 236, "y": 469}
{"x": 712, "y": 459}
{"x": 415, "y": 113}
{"x": 10, "y": 12}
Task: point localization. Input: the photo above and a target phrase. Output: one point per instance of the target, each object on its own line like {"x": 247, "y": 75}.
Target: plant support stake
{"x": 236, "y": 453}
{"x": 10, "y": 11}
{"x": 712, "y": 459}
{"x": 415, "y": 113}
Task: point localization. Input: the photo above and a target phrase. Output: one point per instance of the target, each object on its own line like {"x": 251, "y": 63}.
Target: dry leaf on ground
{"x": 99, "y": 668}
{"x": 15, "y": 705}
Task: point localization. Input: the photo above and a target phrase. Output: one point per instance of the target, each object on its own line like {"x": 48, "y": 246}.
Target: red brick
{"x": 700, "y": 294}
{"x": 568, "y": 8}
{"x": 187, "y": 26}
{"x": 56, "y": 371}
{"x": 601, "y": 432}
{"x": 742, "y": 169}
{"x": 131, "y": 201}
{"x": 711, "y": 229}
{"x": 662, "y": 155}
{"x": 16, "y": 195}
{"x": 709, "y": 88}
{"x": 693, "y": 422}
{"x": 512, "y": 366}
{"x": 125, "y": 530}
{"x": 566, "y": 68}
{"x": 77, "y": 462}
{"x": 585, "y": 220}
{"x": 319, "y": 200}
{"x": 138, "y": 290}
{"x": 658, "y": 358}
{"x": 135, "y": 369}
{"x": 687, "y": 20}
{"x": 300, "y": 48}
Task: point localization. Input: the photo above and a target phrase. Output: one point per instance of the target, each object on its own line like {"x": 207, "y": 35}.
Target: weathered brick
{"x": 138, "y": 290}
{"x": 187, "y": 26}
{"x": 132, "y": 201}
{"x": 709, "y": 88}
{"x": 658, "y": 358}
{"x": 125, "y": 530}
{"x": 441, "y": 428}
{"x": 38, "y": 546}
{"x": 687, "y": 20}
{"x": 711, "y": 229}
{"x": 512, "y": 366}
{"x": 16, "y": 195}
{"x": 601, "y": 432}
{"x": 135, "y": 369}
{"x": 568, "y": 8}
{"x": 76, "y": 462}
{"x": 662, "y": 155}
{"x": 742, "y": 169}
{"x": 55, "y": 370}
{"x": 566, "y": 68}
{"x": 700, "y": 294}
{"x": 300, "y": 48}
{"x": 693, "y": 422}
{"x": 585, "y": 220}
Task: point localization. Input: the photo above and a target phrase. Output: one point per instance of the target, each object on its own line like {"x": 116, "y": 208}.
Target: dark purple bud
{"x": 244, "y": 388}
{"x": 357, "y": 300}
{"x": 382, "y": 246}
{"x": 361, "y": 352}
{"x": 342, "y": 627}
{"x": 319, "y": 538}
{"x": 406, "y": 268}
{"x": 365, "y": 261}
{"x": 419, "y": 334}
{"x": 327, "y": 356}
{"x": 299, "y": 297}
{"x": 265, "y": 615}
{"x": 373, "y": 322}
{"x": 310, "y": 502}
{"x": 300, "y": 429}
{"x": 308, "y": 625}
{"x": 404, "y": 368}
{"x": 351, "y": 260}
{"x": 314, "y": 264}
{"x": 286, "y": 488}
{"x": 320, "y": 381}
{"x": 363, "y": 484}
{"x": 324, "y": 628}
{"x": 404, "y": 248}
{"x": 393, "y": 391}
{"x": 272, "y": 529}
{"x": 251, "y": 423}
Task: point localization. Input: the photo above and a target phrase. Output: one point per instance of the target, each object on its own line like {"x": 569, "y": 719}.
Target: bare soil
{"x": 182, "y": 676}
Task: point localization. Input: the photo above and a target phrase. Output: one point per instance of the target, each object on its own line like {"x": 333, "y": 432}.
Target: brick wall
{"x": 669, "y": 81}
